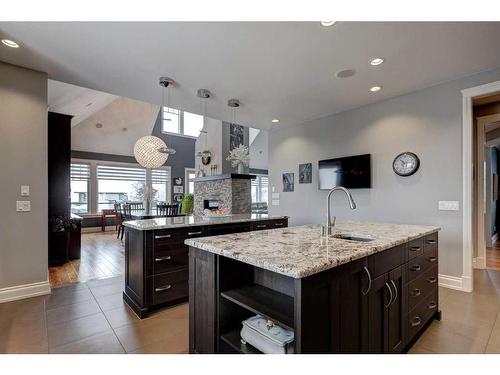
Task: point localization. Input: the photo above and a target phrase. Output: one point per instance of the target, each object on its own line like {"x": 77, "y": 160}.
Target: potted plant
{"x": 59, "y": 229}
{"x": 187, "y": 204}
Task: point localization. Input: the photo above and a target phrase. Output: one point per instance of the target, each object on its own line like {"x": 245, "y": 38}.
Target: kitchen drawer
{"x": 431, "y": 243}
{"x": 171, "y": 241}
{"x": 415, "y": 248}
{"x": 215, "y": 230}
{"x": 417, "y": 266}
{"x": 421, "y": 315}
{"x": 169, "y": 286}
{"x": 386, "y": 260}
{"x": 420, "y": 288}
{"x": 268, "y": 224}
{"x": 166, "y": 261}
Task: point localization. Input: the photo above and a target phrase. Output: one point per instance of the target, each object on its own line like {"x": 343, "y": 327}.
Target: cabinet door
{"x": 354, "y": 283}
{"x": 378, "y": 300}
{"x": 396, "y": 312}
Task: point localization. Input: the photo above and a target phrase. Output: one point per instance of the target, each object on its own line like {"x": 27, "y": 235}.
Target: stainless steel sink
{"x": 354, "y": 237}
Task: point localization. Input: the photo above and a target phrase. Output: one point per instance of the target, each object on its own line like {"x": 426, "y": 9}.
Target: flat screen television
{"x": 352, "y": 172}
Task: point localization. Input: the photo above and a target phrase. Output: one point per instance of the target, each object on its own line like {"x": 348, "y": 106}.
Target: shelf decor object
{"x": 239, "y": 158}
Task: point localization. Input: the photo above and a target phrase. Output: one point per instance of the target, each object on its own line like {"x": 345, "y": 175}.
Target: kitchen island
{"x": 367, "y": 288}
{"x": 156, "y": 258}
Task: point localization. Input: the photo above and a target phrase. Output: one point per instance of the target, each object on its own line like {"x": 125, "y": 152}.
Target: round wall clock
{"x": 406, "y": 164}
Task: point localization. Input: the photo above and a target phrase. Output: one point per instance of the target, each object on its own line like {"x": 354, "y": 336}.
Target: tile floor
{"x": 89, "y": 318}
{"x": 92, "y": 318}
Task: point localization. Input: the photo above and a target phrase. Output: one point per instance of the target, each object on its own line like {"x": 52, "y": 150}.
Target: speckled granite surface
{"x": 302, "y": 251}
{"x": 193, "y": 221}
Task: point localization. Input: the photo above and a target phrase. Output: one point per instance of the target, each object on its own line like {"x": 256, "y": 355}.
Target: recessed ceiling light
{"x": 375, "y": 88}
{"x": 327, "y": 23}
{"x": 275, "y": 120}
{"x": 345, "y": 73}
{"x": 98, "y": 125}
{"x": 10, "y": 43}
{"x": 377, "y": 61}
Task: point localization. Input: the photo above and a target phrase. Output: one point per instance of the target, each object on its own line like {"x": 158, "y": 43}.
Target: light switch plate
{"x": 276, "y": 202}
{"x": 276, "y": 195}
{"x": 25, "y": 190}
{"x": 23, "y": 206}
{"x": 448, "y": 206}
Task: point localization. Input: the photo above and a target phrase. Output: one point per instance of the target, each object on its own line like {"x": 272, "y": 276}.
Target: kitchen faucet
{"x": 327, "y": 229}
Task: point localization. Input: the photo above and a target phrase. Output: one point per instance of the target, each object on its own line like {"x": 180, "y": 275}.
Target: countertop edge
{"x": 199, "y": 224}
{"x": 195, "y": 242}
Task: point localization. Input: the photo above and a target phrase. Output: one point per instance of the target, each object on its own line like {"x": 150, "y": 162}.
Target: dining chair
{"x": 136, "y": 205}
{"x": 119, "y": 219}
{"x": 105, "y": 214}
{"x": 167, "y": 209}
{"x": 126, "y": 215}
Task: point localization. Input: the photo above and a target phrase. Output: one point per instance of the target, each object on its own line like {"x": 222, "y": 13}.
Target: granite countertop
{"x": 302, "y": 251}
{"x": 193, "y": 221}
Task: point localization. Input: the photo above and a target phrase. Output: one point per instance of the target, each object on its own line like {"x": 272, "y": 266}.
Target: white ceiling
{"x": 77, "y": 101}
{"x": 279, "y": 70}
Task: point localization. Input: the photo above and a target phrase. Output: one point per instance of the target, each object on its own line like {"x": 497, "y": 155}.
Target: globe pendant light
{"x": 150, "y": 151}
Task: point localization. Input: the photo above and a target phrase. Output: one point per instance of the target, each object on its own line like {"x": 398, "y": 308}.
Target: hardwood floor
{"x": 493, "y": 256}
{"x": 102, "y": 257}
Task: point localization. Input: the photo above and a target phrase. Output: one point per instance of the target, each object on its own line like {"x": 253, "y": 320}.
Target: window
{"x": 80, "y": 177}
{"x": 183, "y": 123}
{"x": 259, "y": 194}
{"x": 171, "y": 120}
{"x": 190, "y": 175}
{"x": 160, "y": 181}
{"x": 118, "y": 184}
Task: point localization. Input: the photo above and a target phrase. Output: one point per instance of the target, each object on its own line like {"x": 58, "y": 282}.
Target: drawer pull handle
{"x": 390, "y": 295}
{"x": 369, "y": 281}
{"x": 193, "y": 233}
{"x": 415, "y": 268}
{"x": 432, "y": 259}
{"x": 262, "y": 226}
{"x": 162, "y": 259}
{"x": 415, "y": 248}
{"x": 431, "y": 280}
{"x": 278, "y": 224}
{"x": 416, "y": 292}
{"x": 415, "y": 322}
{"x": 163, "y": 288}
{"x": 163, "y": 236}
{"x": 431, "y": 242}
{"x": 432, "y": 305}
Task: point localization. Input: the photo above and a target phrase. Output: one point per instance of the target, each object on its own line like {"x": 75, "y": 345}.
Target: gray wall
{"x": 185, "y": 147}
{"x": 23, "y": 161}
{"x": 427, "y": 122}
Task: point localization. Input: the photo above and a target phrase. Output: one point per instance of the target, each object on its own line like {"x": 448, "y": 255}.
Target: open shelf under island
{"x": 373, "y": 295}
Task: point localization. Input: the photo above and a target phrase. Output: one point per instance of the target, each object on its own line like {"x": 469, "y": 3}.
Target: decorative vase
{"x": 241, "y": 168}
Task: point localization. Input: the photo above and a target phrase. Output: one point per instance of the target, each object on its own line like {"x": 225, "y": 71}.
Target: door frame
{"x": 479, "y": 261}
{"x": 467, "y": 176}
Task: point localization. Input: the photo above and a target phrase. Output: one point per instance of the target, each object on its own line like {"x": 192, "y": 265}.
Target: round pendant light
{"x": 147, "y": 152}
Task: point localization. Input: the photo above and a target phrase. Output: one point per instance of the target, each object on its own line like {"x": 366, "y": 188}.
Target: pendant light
{"x": 166, "y": 83}
{"x": 204, "y": 94}
{"x": 233, "y": 104}
{"x": 150, "y": 151}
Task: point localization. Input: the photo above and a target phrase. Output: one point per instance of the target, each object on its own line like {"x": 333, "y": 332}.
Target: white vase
{"x": 241, "y": 168}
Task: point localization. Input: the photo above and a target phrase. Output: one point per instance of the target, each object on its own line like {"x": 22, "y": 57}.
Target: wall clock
{"x": 406, "y": 164}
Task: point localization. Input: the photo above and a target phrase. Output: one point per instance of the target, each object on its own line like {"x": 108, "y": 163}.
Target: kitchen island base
{"x": 380, "y": 303}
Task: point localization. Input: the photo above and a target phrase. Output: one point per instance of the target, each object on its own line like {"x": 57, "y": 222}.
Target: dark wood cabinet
{"x": 369, "y": 305}
{"x": 156, "y": 262}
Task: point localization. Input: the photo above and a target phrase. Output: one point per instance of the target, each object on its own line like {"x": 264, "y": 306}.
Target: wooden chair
{"x": 104, "y": 215}
{"x": 126, "y": 212}
{"x": 136, "y": 205}
{"x": 167, "y": 209}
{"x": 119, "y": 219}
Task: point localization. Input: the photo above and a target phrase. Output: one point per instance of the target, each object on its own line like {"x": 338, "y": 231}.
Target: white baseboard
{"x": 451, "y": 282}
{"x": 14, "y": 293}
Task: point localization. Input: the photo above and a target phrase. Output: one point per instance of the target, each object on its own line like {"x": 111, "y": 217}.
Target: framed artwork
{"x": 178, "y": 189}
{"x": 305, "y": 173}
{"x": 236, "y": 136}
{"x": 178, "y": 198}
{"x": 287, "y": 182}
{"x": 179, "y": 181}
